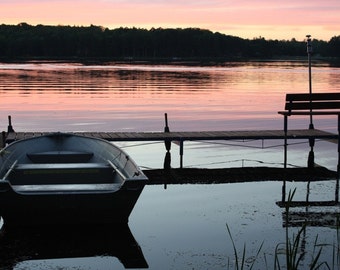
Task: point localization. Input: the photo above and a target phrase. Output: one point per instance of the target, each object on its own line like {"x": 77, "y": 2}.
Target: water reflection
{"x": 307, "y": 217}
{"x": 119, "y": 97}
{"x": 313, "y": 212}
{"x": 22, "y": 245}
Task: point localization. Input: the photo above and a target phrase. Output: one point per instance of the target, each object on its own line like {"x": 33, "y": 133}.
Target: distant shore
{"x": 208, "y": 61}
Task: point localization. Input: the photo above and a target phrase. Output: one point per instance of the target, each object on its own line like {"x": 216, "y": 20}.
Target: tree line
{"x": 61, "y": 42}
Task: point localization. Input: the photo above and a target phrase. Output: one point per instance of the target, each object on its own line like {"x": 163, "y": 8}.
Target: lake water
{"x": 185, "y": 226}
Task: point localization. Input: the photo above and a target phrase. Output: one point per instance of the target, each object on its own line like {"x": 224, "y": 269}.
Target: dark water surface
{"x": 183, "y": 226}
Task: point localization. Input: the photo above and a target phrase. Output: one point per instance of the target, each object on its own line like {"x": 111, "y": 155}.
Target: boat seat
{"x": 62, "y": 173}
{"x": 60, "y": 157}
{"x": 60, "y": 166}
{"x": 66, "y": 188}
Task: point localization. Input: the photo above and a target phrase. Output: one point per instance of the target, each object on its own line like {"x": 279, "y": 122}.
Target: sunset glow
{"x": 244, "y": 18}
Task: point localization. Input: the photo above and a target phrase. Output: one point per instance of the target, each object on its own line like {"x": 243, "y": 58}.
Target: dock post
{"x": 181, "y": 150}
{"x": 10, "y": 127}
{"x": 308, "y": 191}
{"x": 167, "y": 161}
{"x": 167, "y": 168}
{"x": 3, "y": 140}
{"x": 167, "y": 130}
{"x": 310, "y": 163}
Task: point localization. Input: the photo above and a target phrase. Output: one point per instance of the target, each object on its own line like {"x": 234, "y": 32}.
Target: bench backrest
{"x": 316, "y": 101}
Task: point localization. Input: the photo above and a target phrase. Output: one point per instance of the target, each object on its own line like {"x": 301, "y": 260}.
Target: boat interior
{"x": 64, "y": 172}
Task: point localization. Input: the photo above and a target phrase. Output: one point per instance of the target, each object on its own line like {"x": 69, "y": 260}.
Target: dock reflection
{"x": 311, "y": 218}
{"x": 23, "y": 244}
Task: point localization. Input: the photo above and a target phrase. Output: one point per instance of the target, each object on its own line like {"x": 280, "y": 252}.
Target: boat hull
{"x": 96, "y": 208}
{"x": 67, "y": 179}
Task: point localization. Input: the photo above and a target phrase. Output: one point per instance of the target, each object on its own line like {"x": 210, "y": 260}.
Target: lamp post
{"x": 309, "y": 52}
{"x": 311, "y": 126}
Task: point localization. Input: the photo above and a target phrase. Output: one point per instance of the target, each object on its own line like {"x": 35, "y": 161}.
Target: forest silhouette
{"x": 24, "y": 41}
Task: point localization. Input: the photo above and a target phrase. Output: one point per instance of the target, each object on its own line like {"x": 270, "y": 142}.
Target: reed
{"x": 240, "y": 263}
{"x": 292, "y": 245}
{"x": 290, "y": 249}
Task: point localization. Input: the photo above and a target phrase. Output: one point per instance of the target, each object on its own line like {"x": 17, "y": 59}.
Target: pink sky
{"x": 271, "y": 19}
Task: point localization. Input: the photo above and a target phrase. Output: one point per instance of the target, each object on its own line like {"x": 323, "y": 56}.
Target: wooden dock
{"x": 167, "y": 136}
{"x": 191, "y": 135}
{"x": 181, "y": 137}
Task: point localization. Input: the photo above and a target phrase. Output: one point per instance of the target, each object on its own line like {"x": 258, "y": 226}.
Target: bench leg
{"x": 285, "y": 128}
{"x": 338, "y": 167}
{"x": 181, "y": 150}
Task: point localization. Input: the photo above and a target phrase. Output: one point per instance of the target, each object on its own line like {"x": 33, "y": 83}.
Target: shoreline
{"x": 332, "y": 61}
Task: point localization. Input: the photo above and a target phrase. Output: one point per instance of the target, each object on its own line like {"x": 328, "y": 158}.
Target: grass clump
{"x": 290, "y": 254}
{"x": 240, "y": 263}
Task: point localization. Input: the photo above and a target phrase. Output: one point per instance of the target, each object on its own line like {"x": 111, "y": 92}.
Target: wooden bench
{"x": 311, "y": 104}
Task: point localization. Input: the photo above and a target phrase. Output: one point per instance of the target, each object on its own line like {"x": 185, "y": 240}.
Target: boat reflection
{"x": 24, "y": 244}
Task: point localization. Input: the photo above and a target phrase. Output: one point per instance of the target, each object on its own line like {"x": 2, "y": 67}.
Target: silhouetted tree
{"x": 27, "y": 41}
{"x": 334, "y": 46}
